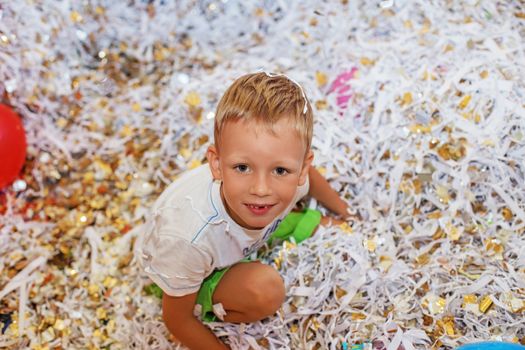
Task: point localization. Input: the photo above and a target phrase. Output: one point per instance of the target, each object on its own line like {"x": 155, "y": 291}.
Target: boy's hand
{"x": 177, "y": 313}
{"x": 351, "y": 217}
{"x": 328, "y": 221}
{"x": 331, "y": 221}
{"x": 320, "y": 189}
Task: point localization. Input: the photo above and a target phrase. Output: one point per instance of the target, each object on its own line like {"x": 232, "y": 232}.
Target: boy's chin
{"x": 255, "y": 224}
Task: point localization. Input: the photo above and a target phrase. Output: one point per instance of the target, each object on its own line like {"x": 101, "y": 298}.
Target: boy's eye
{"x": 281, "y": 171}
{"x": 242, "y": 168}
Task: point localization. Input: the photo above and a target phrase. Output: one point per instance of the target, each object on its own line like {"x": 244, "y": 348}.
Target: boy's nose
{"x": 260, "y": 186}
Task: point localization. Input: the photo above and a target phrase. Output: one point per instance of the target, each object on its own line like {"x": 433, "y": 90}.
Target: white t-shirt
{"x": 190, "y": 234}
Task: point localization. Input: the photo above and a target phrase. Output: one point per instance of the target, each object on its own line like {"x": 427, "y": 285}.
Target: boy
{"x": 211, "y": 218}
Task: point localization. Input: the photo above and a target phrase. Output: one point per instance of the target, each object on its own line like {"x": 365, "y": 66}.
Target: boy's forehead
{"x": 236, "y": 132}
{"x": 260, "y": 124}
{"x": 257, "y": 127}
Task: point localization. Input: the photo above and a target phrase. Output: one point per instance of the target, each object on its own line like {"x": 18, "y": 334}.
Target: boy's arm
{"x": 177, "y": 313}
{"x": 321, "y": 190}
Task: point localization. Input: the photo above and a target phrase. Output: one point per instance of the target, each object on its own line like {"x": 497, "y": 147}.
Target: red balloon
{"x": 12, "y": 145}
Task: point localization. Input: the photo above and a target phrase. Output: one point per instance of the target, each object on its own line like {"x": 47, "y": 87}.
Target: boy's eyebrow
{"x": 271, "y": 75}
{"x": 285, "y": 163}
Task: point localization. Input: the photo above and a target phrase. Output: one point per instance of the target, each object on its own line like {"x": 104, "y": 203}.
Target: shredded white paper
{"x": 420, "y": 123}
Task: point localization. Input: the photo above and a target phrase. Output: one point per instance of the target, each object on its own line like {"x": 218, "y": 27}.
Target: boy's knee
{"x": 267, "y": 291}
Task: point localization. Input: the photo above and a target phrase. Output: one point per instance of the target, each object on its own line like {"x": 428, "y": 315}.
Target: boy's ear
{"x": 306, "y": 167}
{"x": 212, "y": 154}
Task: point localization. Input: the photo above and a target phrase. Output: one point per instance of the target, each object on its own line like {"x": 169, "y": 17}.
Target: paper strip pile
{"x": 420, "y": 123}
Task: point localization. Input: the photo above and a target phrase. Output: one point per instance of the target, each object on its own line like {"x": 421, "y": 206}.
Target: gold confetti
{"x": 278, "y": 262}
{"x": 417, "y": 185}
{"x": 356, "y": 316}
{"x": 62, "y": 122}
{"x": 420, "y": 129}
{"x": 489, "y": 143}
{"x": 192, "y": 99}
{"x": 136, "y": 107}
{"x": 98, "y": 203}
{"x": 406, "y": 99}
{"x": 340, "y": 292}
{"x": 160, "y": 53}
{"x": 485, "y": 303}
{"x": 75, "y": 17}
{"x": 99, "y": 334}
{"x": 84, "y": 219}
{"x": 453, "y": 232}
{"x": 507, "y": 214}
{"x": 194, "y": 164}
{"x": 48, "y": 335}
{"x": 477, "y": 118}
{"x": 314, "y": 324}
{"x": 101, "y": 313}
{"x": 425, "y": 28}
{"x": 186, "y": 153}
{"x": 385, "y": 262}
{"x": 109, "y": 282}
{"x": 93, "y": 289}
{"x": 470, "y": 299}
{"x": 464, "y": 102}
{"x": 423, "y": 259}
{"x": 321, "y": 78}
{"x": 264, "y": 343}
{"x": 294, "y": 328}
{"x": 365, "y": 61}
{"x": 370, "y": 244}
{"x": 126, "y": 131}
{"x": 469, "y": 275}
{"x": 494, "y": 246}
{"x": 59, "y": 325}
{"x": 103, "y": 167}
{"x": 321, "y": 104}
{"x": 346, "y": 228}
{"x": 515, "y": 304}
{"x": 434, "y": 304}
{"x": 442, "y": 193}
{"x": 99, "y": 10}
{"x": 452, "y": 150}
{"x": 448, "y": 323}
{"x": 436, "y": 214}
{"x": 448, "y": 48}
{"x": 433, "y": 143}
{"x": 289, "y": 245}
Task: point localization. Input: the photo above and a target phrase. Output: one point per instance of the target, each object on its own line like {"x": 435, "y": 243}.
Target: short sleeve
{"x": 175, "y": 265}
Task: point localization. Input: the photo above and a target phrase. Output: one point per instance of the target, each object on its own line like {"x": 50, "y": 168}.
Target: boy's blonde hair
{"x": 265, "y": 98}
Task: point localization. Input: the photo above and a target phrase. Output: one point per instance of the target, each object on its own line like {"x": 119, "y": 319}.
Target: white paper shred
{"x": 428, "y": 149}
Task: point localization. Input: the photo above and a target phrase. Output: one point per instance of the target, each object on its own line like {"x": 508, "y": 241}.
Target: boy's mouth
{"x": 259, "y": 209}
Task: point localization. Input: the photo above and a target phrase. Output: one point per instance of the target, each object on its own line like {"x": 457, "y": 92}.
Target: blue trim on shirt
{"x": 213, "y": 216}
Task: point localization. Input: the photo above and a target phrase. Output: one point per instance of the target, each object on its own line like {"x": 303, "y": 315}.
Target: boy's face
{"x": 260, "y": 170}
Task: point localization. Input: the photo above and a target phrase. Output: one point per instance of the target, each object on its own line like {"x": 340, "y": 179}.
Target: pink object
{"x": 342, "y": 88}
